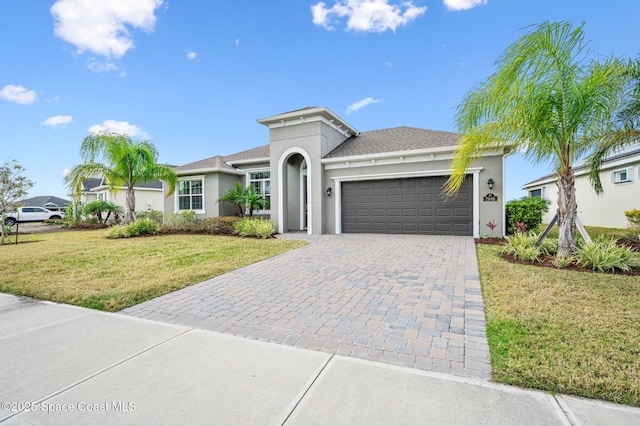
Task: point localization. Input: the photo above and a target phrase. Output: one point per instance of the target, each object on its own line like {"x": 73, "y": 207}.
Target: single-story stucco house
{"x": 48, "y": 202}
{"x": 149, "y": 196}
{"x": 620, "y": 177}
{"x": 322, "y": 175}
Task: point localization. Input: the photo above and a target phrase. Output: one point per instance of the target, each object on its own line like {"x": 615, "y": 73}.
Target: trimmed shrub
{"x": 181, "y": 220}
{"x": 155, "y": 215}
{"x": 604, "y": 255}
{"x": 633, "y": 219}
{"x": 523, "y": 246}
{"x": 526, "y": 210}
{"x": 259, "y": 228}
{"x": 134, "y": 229}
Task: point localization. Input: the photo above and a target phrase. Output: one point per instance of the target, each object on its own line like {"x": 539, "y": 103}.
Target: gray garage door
{"x": 406, "y": 206}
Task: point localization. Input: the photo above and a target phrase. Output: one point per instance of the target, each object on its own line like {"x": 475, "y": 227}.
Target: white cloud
{"x": 361, "y": 104}
{"x": 237, "y": 42}
{"x": 191, "y": 54}
{"x": 58, "y": 120}
{"x": 366, "y": 15}
{"x": 100, "y": 66}
{"x": 388, "y": 64}
{"x": 121, "y": 127}
{"x": 101, "y": 26}
{"x": 463, "y": 4}
{"x": 18, "y": 94}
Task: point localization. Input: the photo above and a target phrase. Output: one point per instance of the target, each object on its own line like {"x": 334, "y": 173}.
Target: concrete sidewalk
{"x": 61, "y": 364}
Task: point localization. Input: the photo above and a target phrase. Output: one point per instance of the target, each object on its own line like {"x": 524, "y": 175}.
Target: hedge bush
{"x": 255, "y": 227}
{"x": 134, "y": 229}
{"x": 527, "y": 210}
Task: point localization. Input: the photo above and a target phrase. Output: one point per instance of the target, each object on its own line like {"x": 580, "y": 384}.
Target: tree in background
{"x": 13, "y": 188}
{"x": 122, "y": 162}
{"x": 551, "y": 98}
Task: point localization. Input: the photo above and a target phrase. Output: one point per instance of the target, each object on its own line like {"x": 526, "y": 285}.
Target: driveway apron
{"x": 409, "y": 300}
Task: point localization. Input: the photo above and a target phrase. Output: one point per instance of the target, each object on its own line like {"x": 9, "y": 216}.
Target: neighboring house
{"x": 149, "y": 196}
{"x": 620, "y": 176}
{"x": 48, "y": 202}
{"x": 321, "y": 175}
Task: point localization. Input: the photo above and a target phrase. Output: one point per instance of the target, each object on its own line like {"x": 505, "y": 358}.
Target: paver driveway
{"x": 409, "y": 300}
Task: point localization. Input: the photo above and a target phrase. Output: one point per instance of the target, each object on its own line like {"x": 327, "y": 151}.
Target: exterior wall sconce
{"x": 329, "y": 190}
{"x": 490, "y": 182}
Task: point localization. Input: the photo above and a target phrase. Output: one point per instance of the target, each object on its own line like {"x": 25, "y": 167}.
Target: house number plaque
{"x": 490, "y": 197}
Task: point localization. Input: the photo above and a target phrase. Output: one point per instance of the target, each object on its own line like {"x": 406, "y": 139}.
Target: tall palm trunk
{"x": 567, "y": 212}
{"x": 131, "y": 205}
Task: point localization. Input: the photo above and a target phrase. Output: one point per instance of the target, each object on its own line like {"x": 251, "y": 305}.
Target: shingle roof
{"x": 89, "y": 184}
{"x": 250, "y": 154}
{"x": 219, "y": 161}
{"x": 579, "y": 166}
{"x": 46, "y": 200}
{"x": 394, "y": 139}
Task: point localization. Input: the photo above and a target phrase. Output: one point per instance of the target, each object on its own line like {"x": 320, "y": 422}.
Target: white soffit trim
{"x": 395, "y": 157}
{"x": 184, "y": 173}
{"x": 250, "y": 161}
{"x": 400, "y": 175}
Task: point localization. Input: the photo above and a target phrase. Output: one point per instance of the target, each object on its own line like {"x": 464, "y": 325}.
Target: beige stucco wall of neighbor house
{"x": 312, "y": 140}
{"x": 490, "y": 167}
{"x": 146, "y": 199}
{"x": 607, "y": 209}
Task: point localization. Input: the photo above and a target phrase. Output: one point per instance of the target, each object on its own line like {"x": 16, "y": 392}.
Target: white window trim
{"x": 177, "y": 194}
{"x": 248, "y": 182}
{"x": 543, "y": 192}
{"x": 616, "y": 173}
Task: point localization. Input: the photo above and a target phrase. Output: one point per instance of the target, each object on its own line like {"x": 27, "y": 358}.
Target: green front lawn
{"x": 85, "y": 269}
{"x": 562, "y": 331}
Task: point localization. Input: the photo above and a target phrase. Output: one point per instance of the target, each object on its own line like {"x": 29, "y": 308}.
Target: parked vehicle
{"x": 31, "y": 214}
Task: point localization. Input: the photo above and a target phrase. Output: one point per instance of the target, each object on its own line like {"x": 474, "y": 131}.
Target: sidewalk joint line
{"x": 39, "y": 327}
{"x": 566, "y": 410}
{"x": 306, "y": 391}
{"x": 98, "y": 373}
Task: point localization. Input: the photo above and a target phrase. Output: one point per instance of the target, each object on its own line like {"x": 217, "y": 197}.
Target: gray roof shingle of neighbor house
{"x": 395, "y": 139}
{"x": 45, "y": 201}
{"x": 93, "y": 183}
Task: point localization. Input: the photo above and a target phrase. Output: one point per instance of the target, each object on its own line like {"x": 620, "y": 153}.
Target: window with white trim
{"x": 620, "y": 176}
{"x": 260, "y": 181}
{"x": 191, "y": 195}
{"x": 540, "y": 192}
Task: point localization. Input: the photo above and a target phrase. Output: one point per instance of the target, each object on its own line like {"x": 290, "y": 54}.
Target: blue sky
{"x": 193, "y": 76}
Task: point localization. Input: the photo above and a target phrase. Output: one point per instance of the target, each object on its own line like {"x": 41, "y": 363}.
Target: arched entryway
{"x": 294, "y": 191}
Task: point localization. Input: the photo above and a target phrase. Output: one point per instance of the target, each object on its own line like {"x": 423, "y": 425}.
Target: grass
{"x": 562, "y": 331}
{"x": 85, "y": 269}
{"x": 591, "y": 230}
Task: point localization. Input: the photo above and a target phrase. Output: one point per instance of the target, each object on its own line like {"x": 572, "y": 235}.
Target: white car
{"x": 31, "y": 214}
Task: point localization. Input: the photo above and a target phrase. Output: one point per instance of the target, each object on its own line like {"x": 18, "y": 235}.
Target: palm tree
{"x": 243, "y": 198}
{"x": 122, "y": 162}
{"x": 625, "y": 131}
{"x": 99, "y": 206}
{"x": 236, "y": 197}
{"x": 550, "y": 98}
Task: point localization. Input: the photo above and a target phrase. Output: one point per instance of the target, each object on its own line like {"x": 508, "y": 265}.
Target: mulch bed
{"x": 491, "y": 241}
{"x": 547, "y": 261}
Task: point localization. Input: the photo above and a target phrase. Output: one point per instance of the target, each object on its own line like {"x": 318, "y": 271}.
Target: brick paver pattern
{"x": 409, "y": 300}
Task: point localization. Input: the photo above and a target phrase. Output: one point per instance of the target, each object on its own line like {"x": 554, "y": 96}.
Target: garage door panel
{"x": 410, "y": 206}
